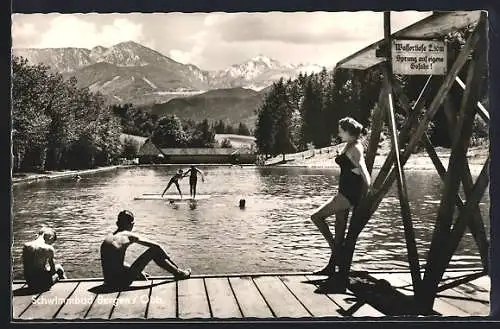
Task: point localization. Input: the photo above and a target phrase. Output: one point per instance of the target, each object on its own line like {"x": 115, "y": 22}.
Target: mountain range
{"x": 130, "y": 72}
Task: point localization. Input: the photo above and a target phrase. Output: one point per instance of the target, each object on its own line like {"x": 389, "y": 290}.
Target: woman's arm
{"x": 202, "y": 174}
{"x": 359, "y": 160}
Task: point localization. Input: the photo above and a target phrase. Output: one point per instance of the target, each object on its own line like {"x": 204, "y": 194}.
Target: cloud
{"x": 305, "y": 28}
{"x": 75, "y": 31}
{"x": 23, "y": 34}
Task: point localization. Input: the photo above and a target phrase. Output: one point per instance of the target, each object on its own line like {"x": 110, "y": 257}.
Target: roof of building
{"x": 140, "y": 139}
{"x": 149, "y": 148}
{"x": 204, "y": 151}
{"x": 435, "y": 26}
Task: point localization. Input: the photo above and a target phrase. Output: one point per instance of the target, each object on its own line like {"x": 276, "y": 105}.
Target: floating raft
{"x": 171, "y": 197}
{"x": 240, "y": 296}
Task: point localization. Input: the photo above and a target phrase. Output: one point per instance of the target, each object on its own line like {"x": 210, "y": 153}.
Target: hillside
{"x": 129, "y": 72}
{"x": 232, "y": 106}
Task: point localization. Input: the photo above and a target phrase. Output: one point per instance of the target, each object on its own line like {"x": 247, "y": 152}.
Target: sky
{"x": 214, "y": 41}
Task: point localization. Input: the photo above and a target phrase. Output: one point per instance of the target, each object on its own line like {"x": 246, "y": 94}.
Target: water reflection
{"x": 273, "y": 232}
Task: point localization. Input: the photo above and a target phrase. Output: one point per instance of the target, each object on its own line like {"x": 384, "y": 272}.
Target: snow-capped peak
{"x": 263, "y": 59}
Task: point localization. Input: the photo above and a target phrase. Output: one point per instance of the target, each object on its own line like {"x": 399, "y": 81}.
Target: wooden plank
{"x": 16, "y": 286}
{"x": 102, "y": 306}
{"x": 317, "y": 304}
{"x": 163, "y": 300}
{"x": 279, "y": 298}
{"x": 192, "y": 299}
{"x": 49, "y": 302}
{"x": 133, "y": 301}
{"x": 402, "y": 283}
{"x": 22, "y": 301}
{"x": 458, "y": 300}
{"x": 78, "y": 303}
{"x": 350, "y": 305}
{"x": 249, "y": 299}
{"x": 484, "y": 282}
{"x": 221, "y": 298}
{"x": 471, "y": 289}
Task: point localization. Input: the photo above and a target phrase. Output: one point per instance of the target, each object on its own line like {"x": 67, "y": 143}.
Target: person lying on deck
{"x": 40, "y": 270}
{"x": 119, "y": 274}
{"x": 174, "y": 180}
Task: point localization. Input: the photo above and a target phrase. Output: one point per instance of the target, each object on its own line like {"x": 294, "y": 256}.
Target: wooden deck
{"x": 248, "y": 296}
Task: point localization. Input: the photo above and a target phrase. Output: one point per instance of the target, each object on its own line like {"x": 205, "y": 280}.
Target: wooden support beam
{"x": 431, "y": 111}
{"x": 471, "y": 206}
{"x": 404, "y": 203}
{"x": 475, "y": 224}
{"x": 376, "y": 128}
{"x": 483, "y": 113}
{"x": 463, "y": 132}
{"x": 403, "y": 138}
{"x": 370, "y": 203}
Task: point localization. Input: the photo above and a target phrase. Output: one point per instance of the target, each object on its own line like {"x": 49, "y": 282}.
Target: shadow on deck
{"x": 246, "y": 296}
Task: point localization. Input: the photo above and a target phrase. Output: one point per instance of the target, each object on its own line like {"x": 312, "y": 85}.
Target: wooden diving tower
{"x": 449, "y": 228}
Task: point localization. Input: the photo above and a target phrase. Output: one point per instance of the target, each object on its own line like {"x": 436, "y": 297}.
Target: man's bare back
{"x": 113, "y": 251}
{"x": 115, "y": 271}
{"x": 36, "y": 256}
{"x": 39, "y": 267}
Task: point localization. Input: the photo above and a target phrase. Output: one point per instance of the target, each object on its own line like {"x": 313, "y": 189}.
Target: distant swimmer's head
{"x": 48, "y": 234}
{"x": 125, "y": 220}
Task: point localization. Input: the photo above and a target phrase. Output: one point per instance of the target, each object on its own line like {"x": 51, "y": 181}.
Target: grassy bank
{"x": 31, "y": 177}
{"x": 324, "y": 158}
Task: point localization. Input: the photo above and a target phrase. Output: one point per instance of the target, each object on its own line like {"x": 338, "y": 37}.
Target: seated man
{"x": 40, "y": 271}
{"x": 118, "y": 274}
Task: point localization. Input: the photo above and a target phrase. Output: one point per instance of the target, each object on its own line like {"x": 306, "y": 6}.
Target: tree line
{"x": 303, "y": 113}
{"x": 56, "y": 125}
{"x": 138, "y": 120}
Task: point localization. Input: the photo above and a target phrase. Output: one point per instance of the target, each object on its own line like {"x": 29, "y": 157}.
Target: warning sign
{"x": 419, "y": 57}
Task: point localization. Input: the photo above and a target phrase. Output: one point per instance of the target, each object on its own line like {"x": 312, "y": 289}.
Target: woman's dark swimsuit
{"x": 350, "y": 184}
{"x": 193, "y": 178}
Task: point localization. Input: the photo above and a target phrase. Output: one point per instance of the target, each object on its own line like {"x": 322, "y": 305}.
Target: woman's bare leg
{"x": 337, "y": 204}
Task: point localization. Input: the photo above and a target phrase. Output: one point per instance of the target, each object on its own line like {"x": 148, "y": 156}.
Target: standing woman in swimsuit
{"x": 193, "y": 179}
{"x": 353, "y": 175}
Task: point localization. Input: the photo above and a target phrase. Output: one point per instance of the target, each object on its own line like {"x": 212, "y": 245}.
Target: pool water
{"x": 273, "y": 233}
